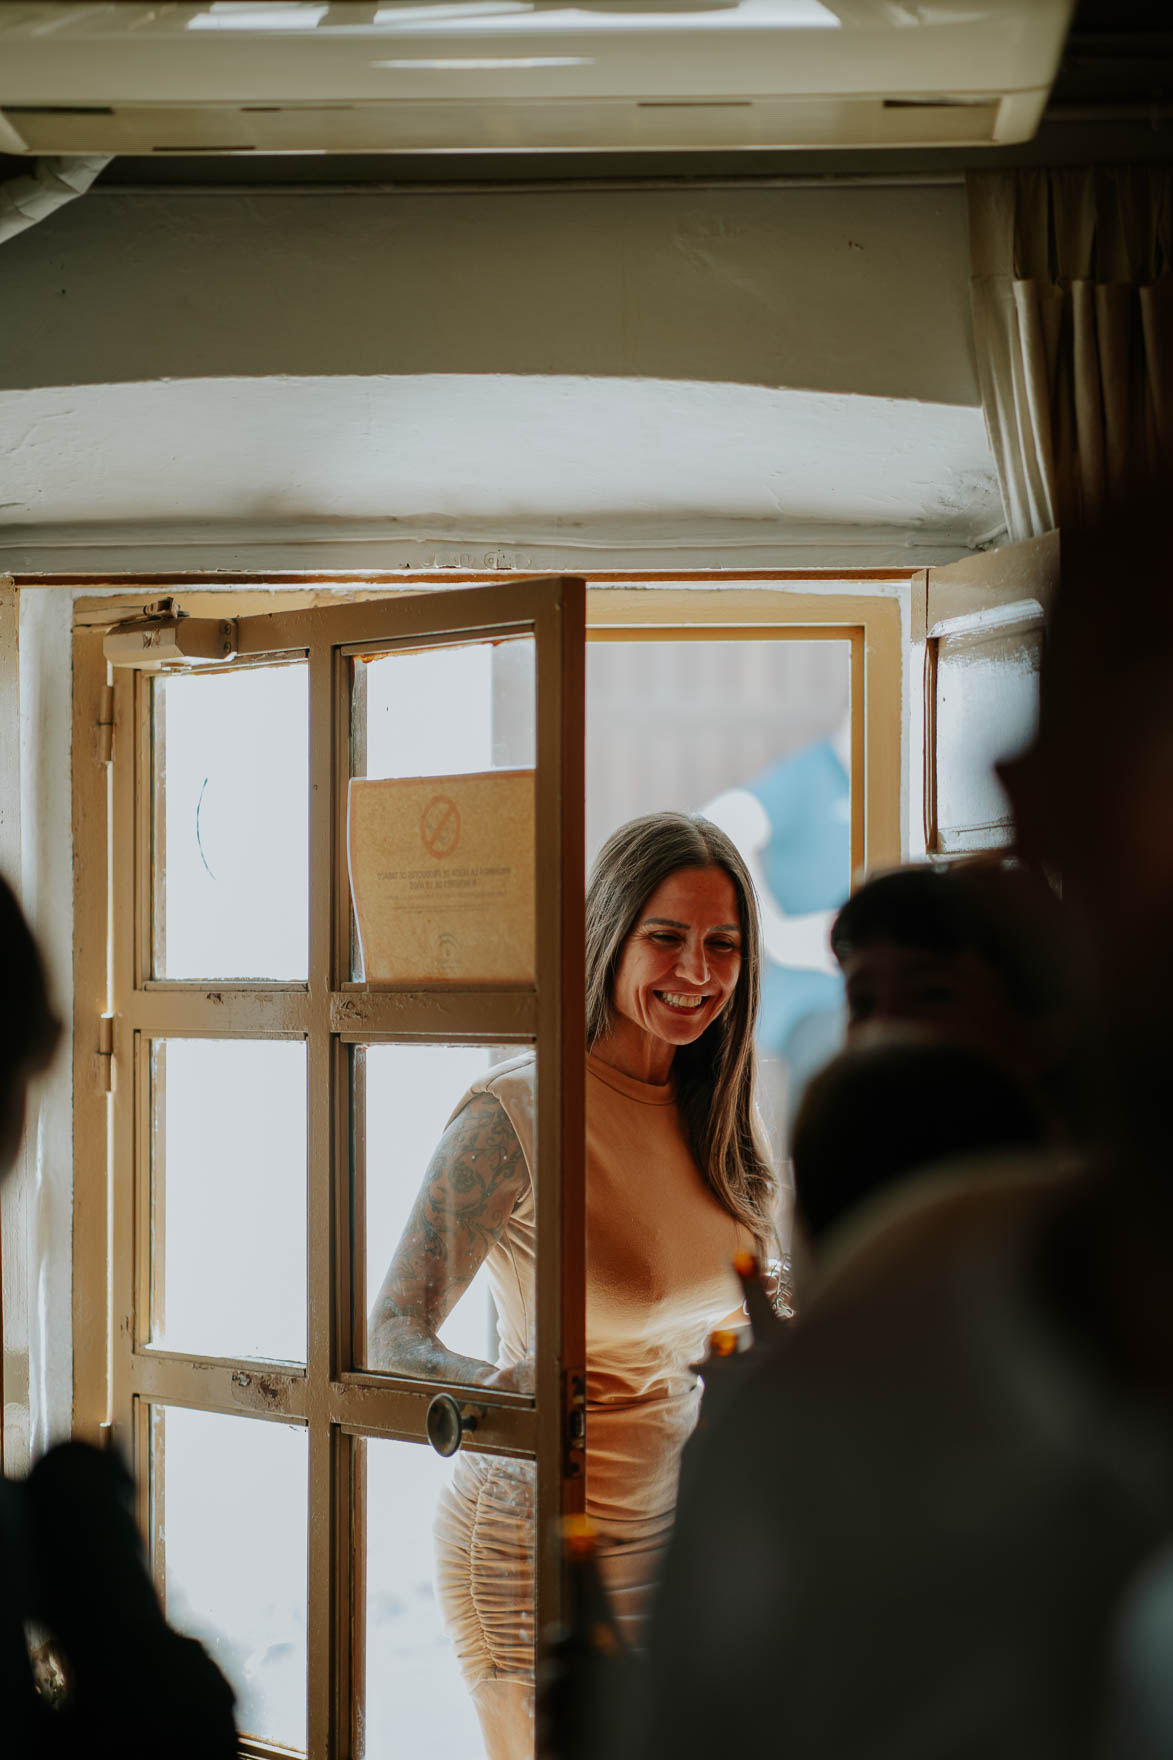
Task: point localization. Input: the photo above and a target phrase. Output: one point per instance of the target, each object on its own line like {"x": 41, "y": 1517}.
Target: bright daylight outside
{"x": 754, "y": 733}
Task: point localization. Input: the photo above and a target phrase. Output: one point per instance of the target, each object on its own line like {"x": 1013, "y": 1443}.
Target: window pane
{"x": 230, "y": 754}
{"x": 987, "y": 707}
{"x": 441, "y": 813}
{"x": 403, "y": 1098}
{"x": 229, "y": 1502}
{"x": 446, "y": 711}
{"x": 228, "y": 1197}
{"x": 432, "y": 1618}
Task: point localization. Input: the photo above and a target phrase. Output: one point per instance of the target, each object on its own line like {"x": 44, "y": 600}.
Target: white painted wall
{"x": 512, "y": 450}
{"x": 39, "y": 1194}
{"x": 756, "y": 376}
{"x": 419, "y": 461}
{"x": 863, "y": 291}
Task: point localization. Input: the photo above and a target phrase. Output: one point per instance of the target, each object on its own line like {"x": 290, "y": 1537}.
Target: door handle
{"x": 447, "y": 1422}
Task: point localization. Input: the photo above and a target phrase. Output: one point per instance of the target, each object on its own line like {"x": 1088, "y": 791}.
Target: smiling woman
{"x": 682, "y": 866}
{"x": 676, "y": 1185}
{"x": 678, "y": 969}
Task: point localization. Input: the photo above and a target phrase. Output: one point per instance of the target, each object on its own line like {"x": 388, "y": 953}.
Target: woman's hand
{"x": 513, "y": 1378}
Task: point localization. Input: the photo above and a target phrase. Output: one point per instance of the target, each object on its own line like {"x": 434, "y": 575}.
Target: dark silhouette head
{"x": 971, "y": 954}
{"x": 890, "y": 1105}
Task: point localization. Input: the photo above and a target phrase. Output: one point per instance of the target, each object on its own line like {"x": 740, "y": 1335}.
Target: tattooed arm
{"x": 474, "y": 1180}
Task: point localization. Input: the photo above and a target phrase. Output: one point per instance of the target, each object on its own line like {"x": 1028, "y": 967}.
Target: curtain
{"x": 1072, "y": 291}
{"x": 36, "y": 194}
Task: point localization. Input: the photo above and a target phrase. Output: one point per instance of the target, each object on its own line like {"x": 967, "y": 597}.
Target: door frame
{"x": 117, "y": 1377}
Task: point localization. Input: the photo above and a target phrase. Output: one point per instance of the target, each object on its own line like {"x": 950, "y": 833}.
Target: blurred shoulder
{"x": 915, "y": 1286}
{"x": 918, "y": 1233}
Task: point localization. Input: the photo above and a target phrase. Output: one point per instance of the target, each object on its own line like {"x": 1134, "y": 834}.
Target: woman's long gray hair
{"x": 715, "y": 1075}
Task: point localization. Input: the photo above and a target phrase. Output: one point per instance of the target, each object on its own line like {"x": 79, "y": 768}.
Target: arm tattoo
{"x": 475, "y": 1179}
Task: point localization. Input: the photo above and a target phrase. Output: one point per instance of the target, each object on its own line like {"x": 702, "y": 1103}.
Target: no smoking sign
{"x": 440, "y": 826}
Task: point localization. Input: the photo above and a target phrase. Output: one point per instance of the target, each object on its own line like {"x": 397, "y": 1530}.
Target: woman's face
{"x": 680, "y": 964}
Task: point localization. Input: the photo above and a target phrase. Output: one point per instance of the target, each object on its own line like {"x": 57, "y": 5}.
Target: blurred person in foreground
{"x": 71, "y": 1561}
{"x": 974, "y": 955}
{"x": 916, "y": 1529}
{"x": 892, "y": 1105}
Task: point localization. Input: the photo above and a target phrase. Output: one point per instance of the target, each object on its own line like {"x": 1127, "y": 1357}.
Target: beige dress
{"x": 658, "y": 1279}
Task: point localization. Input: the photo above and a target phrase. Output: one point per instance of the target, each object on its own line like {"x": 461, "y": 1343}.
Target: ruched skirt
{"x": 484, "y": 1534}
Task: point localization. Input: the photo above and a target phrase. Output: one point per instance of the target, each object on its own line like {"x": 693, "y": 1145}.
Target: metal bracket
{"x": 106, "y": 1049}
{"x": 166, "y": 636}
{"x": 106, "y": 725}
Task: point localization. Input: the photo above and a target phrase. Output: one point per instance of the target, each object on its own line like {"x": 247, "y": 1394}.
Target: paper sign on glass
{"x": 442, "y": 877}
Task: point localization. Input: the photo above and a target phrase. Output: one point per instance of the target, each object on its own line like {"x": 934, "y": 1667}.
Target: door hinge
{"x": 106, "y": 725}
{"x": 573, "y": 1423}
{"x": 106, "y": 1049}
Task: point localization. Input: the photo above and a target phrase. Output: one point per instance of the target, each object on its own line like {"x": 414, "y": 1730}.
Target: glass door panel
{"x": 230, "y": 893}
{"x": 228, "y": 1519}
{"x": 438, "y": 1613}
{"x": 228, "y": 1197}
{"x": 455, "y": 710}
{"x": 434, "y": 1199}
{"x": 441, "y": 813}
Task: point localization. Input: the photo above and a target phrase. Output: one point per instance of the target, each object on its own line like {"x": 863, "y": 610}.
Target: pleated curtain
{"x": 1072, "y": 291}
